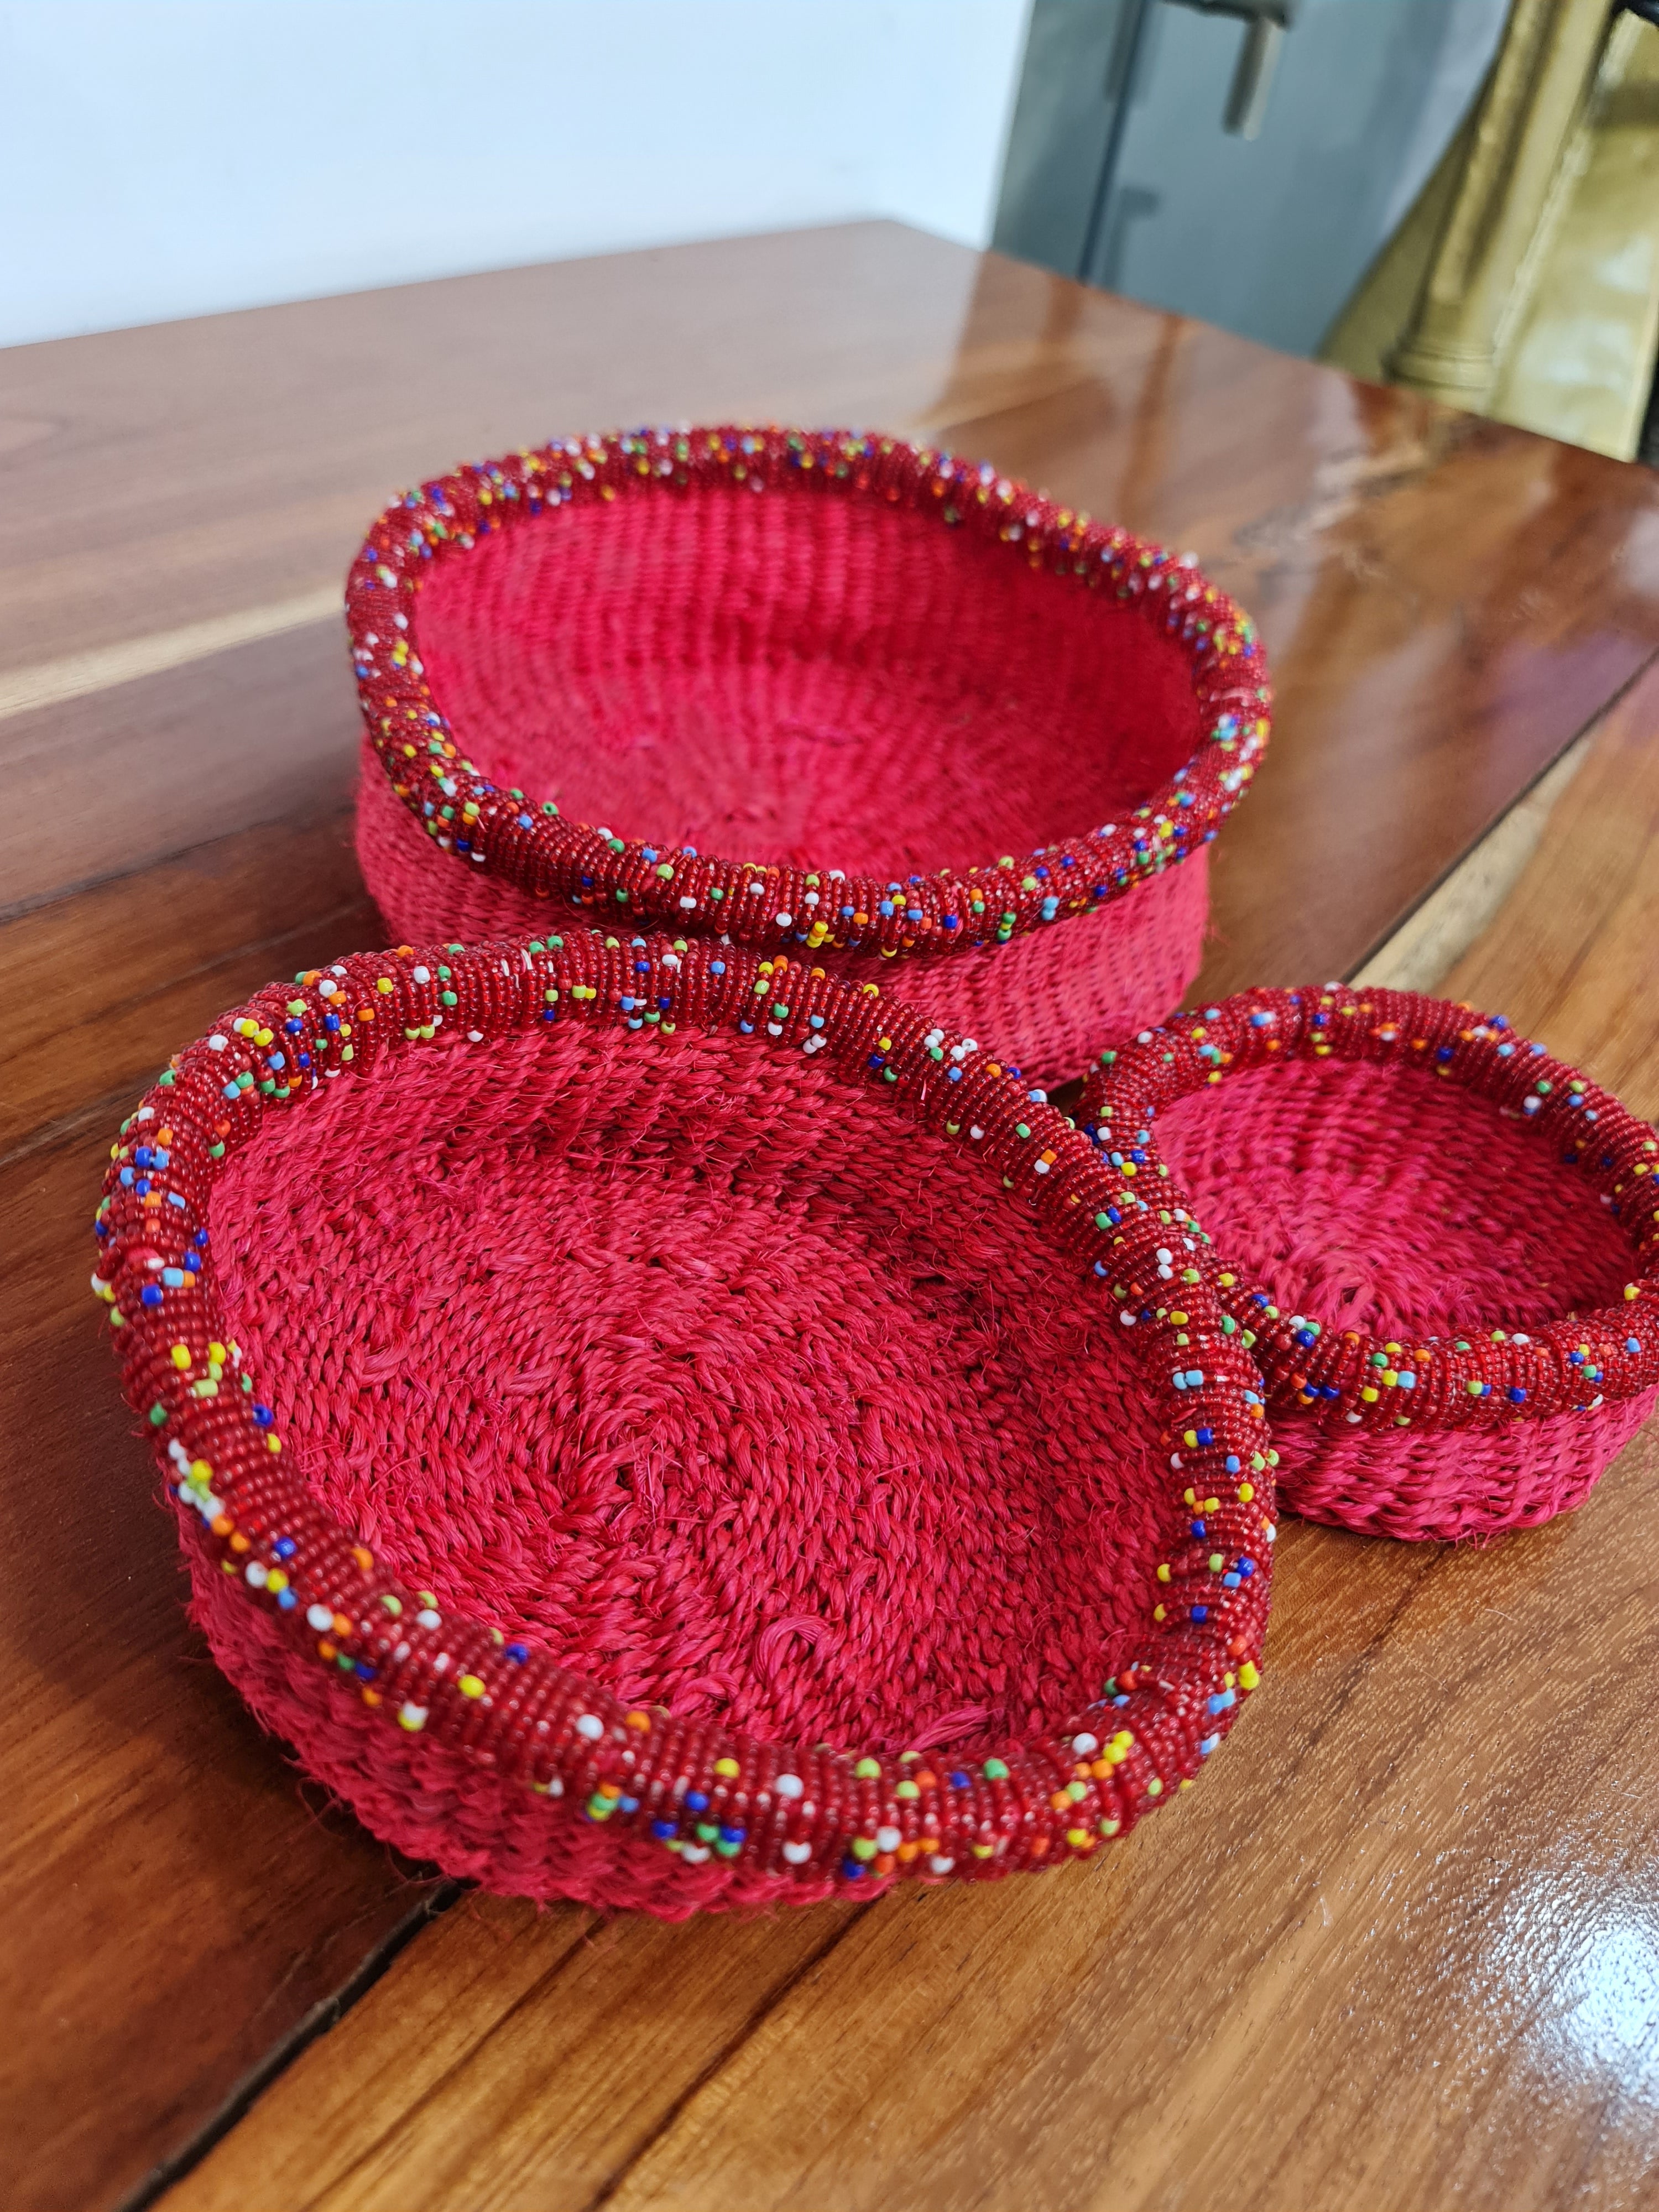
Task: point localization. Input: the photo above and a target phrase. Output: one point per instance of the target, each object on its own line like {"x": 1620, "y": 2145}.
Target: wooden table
{"x": 1402, "y": 1947}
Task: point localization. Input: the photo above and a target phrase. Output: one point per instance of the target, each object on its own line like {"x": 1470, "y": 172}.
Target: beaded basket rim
{"x": 529, "y": 844}
{"x": 452, "y": 1679}
{"x": 1485, "y": 1379}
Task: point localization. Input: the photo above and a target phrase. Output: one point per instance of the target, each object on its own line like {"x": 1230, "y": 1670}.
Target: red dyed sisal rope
{"x": 649, "y": 1428}
{"x": 1440, "y": 1244}
{"x": 939, "y": 714}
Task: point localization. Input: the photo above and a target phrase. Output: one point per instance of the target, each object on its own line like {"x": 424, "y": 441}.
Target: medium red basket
{"x": 933, "y": 714}
{"x": 647, "y": 1427}
{"x": 1438, "y": 1243}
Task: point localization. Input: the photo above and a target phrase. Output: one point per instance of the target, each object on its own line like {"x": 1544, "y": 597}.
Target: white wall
{"x": 175, "y": 157}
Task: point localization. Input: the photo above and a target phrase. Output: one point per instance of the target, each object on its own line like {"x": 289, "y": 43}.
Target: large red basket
{"x": 816, "y": 692}
{"x": 648, "y": 1427}
{"x": 1440, "y": 1244}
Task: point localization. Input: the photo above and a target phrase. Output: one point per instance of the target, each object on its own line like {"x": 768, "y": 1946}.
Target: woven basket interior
{"x": 710, "y": 1373}
{"x": 805, "y": 678}
{"x": 1386, "y": 1200}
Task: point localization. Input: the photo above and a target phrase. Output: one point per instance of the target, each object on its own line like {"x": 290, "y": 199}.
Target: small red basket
{"x": 647, "y": 1427}
{"x": 1438, "y": 1242}
{"x": 936, "y": 713}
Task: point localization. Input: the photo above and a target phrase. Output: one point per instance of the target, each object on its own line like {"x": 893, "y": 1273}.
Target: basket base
{"x": 1049, "y": 1000}
{"x": 435, "y": 1806}
{"x": 1461, "y": 1487}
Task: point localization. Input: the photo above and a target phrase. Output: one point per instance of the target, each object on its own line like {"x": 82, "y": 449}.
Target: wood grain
{"x": 111, "y": 781}
{"x": 178, "y": 1903}
{"x": 178, "y": 1908}
{"x": 198, "y": 468}
{"x": 1400, "y": 1950}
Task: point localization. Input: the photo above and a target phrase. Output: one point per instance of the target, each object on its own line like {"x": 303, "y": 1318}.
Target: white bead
{"x": 591, "y": 1726}
{"x": 798, "y": 1854}
{"x": 319, "y": 1617}
{"x": 694, "y": 1854}
{"x": 789, "y": 1786}
{"x": 216, "y": 1044}
{"x": 422, "y": 975}
{"x": 888, "y": 1839}
{"x": 1084, "y": 1744}
{"x": 941, "y": 1865}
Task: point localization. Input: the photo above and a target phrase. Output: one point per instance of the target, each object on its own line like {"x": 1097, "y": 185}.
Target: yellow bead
{"x": 1249, "y": 1675}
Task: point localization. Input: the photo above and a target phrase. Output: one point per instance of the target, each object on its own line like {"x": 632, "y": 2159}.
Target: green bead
{"x": 868, "y": 1770}
{"x": 994, "y": 1771}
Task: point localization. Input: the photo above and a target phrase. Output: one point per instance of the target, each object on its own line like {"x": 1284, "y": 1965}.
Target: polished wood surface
{"x": 1292, "y": 1991}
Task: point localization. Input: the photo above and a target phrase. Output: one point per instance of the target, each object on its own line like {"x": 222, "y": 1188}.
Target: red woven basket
{"x": 1438, "y": 1243}
{"x": 931, "y": 713}
{"x": 647, "y": 1427}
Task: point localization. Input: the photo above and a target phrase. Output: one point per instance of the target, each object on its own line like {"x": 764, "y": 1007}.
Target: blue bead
{"x": 150, "y": 1295}
{"x": 696, "y": 1800}
{"x": 284, "y": 1547}
{"x": 959, "y": 1780}
{"x": 662, "y": 1830}
{"x": 1200, "y": 1613}
{"x": 852, "y": 1870}
{"x": 517, "y": 1653}
{"x": 264, "y": 1416}
{"x": 1205, "y": 1436}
